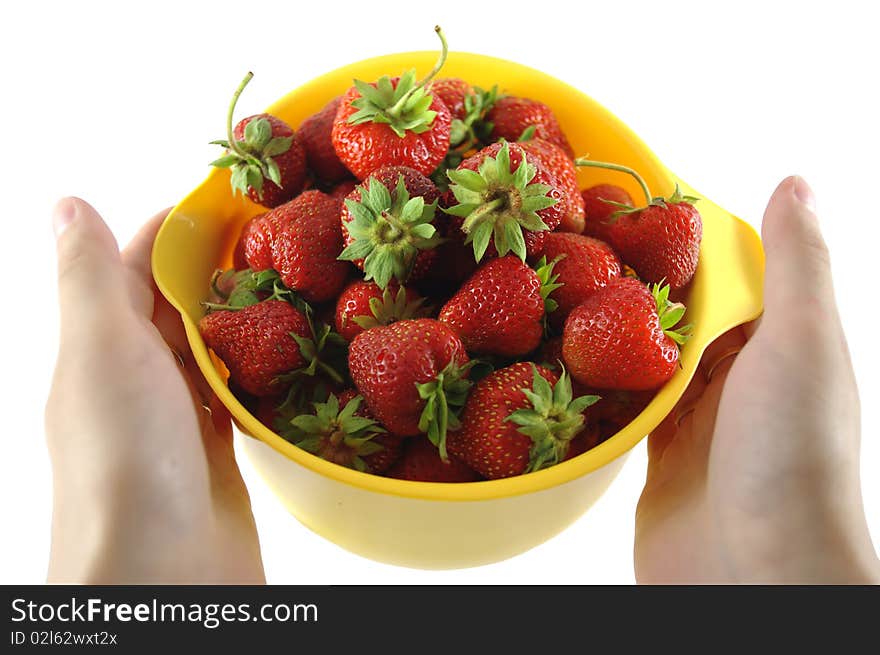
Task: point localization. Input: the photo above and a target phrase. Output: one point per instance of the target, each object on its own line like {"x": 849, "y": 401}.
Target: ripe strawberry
{"x": 661, "y": 241}
{"x": 514, "y": 422}
{"x": 340, "y": 431}
{"x": 256, "y": 343}
{"x": 468, "y": 106}
{"x": 553, "y": 158}
{"x": 268, "y": 162}
{"x": 422, "y": 462}
{"x": 314, "y": 134}
{"x": 589, "y": 438}
{"x": 584, "y": 265}
{"x": 302, "y": 240}
{"x": 503, "y": 191}
{"x": 511, "y": 116}
{"x": 341, "y": 190}
{"x": 452, "y": 91}
{"x": 622, "y": 337}
{"x": 598, "y": 211}
{"x": 388, "y": 225}
{"x": 239, "y": 257}
{"x": 618, "y": 408}
{"x": 392, "y": 445}
{"x": 500, "y": 309}
{"x": 392, "y": 122}
{"x": 363, "y": 305}
{"x": 412, "y": 377}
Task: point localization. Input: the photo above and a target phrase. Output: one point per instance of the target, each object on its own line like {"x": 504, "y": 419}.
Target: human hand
{"x": 146, "y": 488}
{"x": 754, "y": 477}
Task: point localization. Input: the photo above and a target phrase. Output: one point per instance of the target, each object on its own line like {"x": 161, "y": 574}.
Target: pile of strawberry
{"x": 429, "y": 295}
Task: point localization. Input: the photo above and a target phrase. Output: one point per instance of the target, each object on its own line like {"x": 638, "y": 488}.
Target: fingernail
{"x": 804, "y": 193}
{"x": 63, "y": 215}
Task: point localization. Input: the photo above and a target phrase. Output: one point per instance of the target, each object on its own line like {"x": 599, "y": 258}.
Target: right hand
{"x": 754, "y": 477}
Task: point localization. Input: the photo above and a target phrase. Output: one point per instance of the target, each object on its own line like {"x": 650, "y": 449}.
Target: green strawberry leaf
{"x": 507, "y": 201}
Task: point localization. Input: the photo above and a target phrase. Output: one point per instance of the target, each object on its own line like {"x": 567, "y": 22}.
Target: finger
{"x": 724, "y": 348}
{"x": 798, "y": 273}
{"x": 167, "y": 320}
{"x": 91, "y": 278}
{"x": 138, "y": 252}
{"x": 676, "y": 420}
{"x": 139, "y": 273}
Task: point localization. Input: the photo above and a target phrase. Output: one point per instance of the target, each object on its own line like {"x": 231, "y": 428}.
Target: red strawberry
{"x": 587, "y": 439}
{"x": 239, "y": 256}
{"x": 507, "y": 198}
{"x": 584, "y": 264}
{"x": 268, "y": 162}
{"x": 550, "y": 354}
{"x": 454, "y": 264}
{"x": 553, "y": 158}
{"x": 314, "y": 134}
{"x": 341, "y": 190}
{"x": 340, "y": 432}
{"x": 301, "y": 240}
{"x": 622, "y": 337}
{"x": 256, "y": 343}
{"x": 514, "y": 422}
{"x": 511, "y": 116}
{"x": 500, "y": 309}
{"x": 388, "y": 225}
{"x": 618, "y": 408}
{"x": 661, "y": 241}
{"x": 411, "y": 375}
{"x": 422, "y": 462}
{"x": 363, "y": 305}
{"x": 452, "y": 91}
{"x": 598, "y": 211}
{"x": 393, "y": 122}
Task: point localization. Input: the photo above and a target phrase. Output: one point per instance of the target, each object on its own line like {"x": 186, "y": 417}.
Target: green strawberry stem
{"x": 388, "y": 309}
{"x": 251, "y": 159}
{"x": 486, "y": 208}
{"x": 582, "y": 161}
{"x": 444, "y": 397}
{"x": 670, "y": 314}
{"x": 498, "y": 203}
{"x": 551, "y": 420}
{"x": 233, "y": 144}
{"x": 444, "y": 51}
{"x": 403, "y": 107}
{"x": 335, "y": 434}
{"x": 544, "y": 271}
{"x": 389, "y": 230}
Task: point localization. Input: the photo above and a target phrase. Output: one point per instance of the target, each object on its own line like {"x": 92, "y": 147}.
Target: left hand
{"x": 146, "y": 487}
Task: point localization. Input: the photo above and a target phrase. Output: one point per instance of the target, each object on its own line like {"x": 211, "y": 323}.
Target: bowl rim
{"x": 567, "y": 471}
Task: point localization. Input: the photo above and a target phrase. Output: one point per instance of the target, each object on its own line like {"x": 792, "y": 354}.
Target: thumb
{"x": 798, "y": 271}
{"x": 91, "y": 280}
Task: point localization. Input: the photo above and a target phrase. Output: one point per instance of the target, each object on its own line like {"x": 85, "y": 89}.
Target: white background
{"x": 116, "y": 103}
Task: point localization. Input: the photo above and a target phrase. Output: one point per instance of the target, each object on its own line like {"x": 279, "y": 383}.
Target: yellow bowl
{"x": 434, "y": 525}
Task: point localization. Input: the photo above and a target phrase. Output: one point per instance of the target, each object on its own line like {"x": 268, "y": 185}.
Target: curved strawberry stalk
{"x": 658, "y": 201}
{"x": 402, "y": 107}
{"x": 498, "y": 203}
{"x": 251, "y": 160}
{"x": 389, "y": 231}
{"x": 238, "y": 289}
{"x": 553, "y": 420}
{"x": 335, "y": 434}
{"x": 444, "y": 397}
